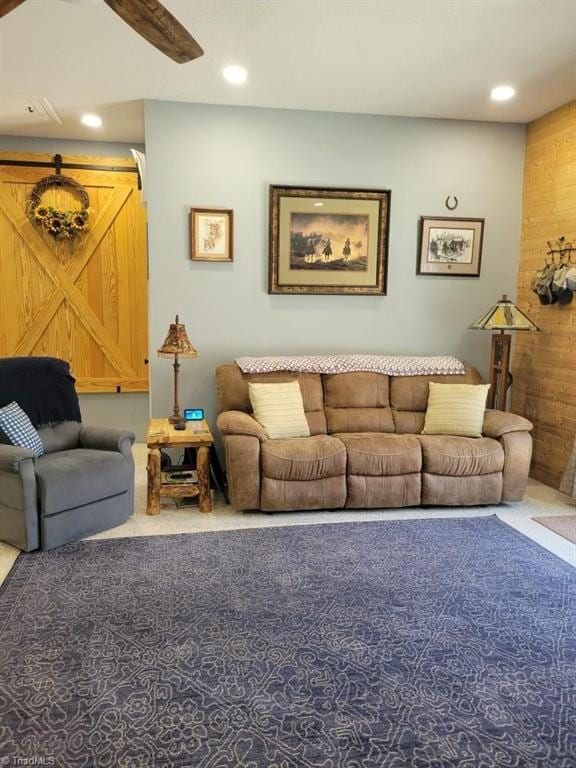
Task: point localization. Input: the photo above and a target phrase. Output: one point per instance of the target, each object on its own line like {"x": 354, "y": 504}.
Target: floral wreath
{"x": 62, "y": 225}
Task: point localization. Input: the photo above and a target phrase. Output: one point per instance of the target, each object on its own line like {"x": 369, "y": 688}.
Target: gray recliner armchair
{"x": 82, "y": 484}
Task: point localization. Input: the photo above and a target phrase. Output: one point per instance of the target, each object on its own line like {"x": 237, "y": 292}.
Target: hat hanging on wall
{"x": 555, "y": 283}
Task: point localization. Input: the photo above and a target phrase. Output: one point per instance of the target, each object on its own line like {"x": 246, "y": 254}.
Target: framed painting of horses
{"x": 325, "y": 240}
{"x": 211, "y": 234}
{"x": 450, "y": 246}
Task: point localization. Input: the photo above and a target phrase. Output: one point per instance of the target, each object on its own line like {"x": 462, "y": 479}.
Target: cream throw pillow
{"x": 455, "y": 409}
{"x": 279, "y": 408}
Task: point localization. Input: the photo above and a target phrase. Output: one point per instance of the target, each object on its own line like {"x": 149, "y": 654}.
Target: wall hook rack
{"x": 563, "y": 249}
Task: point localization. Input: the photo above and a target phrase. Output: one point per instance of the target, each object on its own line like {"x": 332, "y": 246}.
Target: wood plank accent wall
{"x": 86, "y": 304}
{"x": 544, "y": 364}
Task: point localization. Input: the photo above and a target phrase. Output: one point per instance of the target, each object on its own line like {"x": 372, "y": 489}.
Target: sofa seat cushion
{"x": 69, "y": 479}
{"x": 303, "y": 458}
{"x": 377, "y": 455}
{"x": 461, "y": 456}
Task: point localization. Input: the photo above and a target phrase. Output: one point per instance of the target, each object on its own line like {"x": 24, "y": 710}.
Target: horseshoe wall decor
{"x": 451, "y": 207}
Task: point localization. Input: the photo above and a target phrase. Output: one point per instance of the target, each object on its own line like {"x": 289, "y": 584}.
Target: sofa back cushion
{"x": 410, "y": 393}
{"x": 408, "y": 422}
{"x": 345, "y": 402}
{"x": 232, "y": 386}
{"x": 357, "y": 402}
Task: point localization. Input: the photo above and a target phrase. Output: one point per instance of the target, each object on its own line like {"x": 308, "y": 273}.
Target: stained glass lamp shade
{"x": 504, "y": 316}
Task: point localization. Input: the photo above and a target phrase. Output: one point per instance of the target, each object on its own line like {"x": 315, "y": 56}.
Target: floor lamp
{"x": 503, "y": 316}
{"x": 177, "y": 345}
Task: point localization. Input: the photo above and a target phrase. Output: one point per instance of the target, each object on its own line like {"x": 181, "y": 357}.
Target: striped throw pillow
{"x": 17, "y": 429}
{"x": 279, "y": 408}
{"x": 455, "y": 409}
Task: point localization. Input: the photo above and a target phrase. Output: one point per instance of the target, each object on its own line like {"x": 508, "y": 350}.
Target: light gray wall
{"x": 227, "y": 156}
{"x": 125, "y": 409}
{"x": 117, "y": 409}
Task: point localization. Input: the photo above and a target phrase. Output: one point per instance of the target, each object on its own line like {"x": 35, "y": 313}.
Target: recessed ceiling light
{"x": 235, "y": 74}
{"x": 502, "y": 93}
{"x": 92, "y": 121}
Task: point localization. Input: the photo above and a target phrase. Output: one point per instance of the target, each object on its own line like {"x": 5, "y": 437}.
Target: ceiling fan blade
{"x": 157, "y": 25}
{"x": 8, "y": 5}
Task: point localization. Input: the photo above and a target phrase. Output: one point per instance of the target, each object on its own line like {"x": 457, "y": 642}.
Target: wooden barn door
{"x": 86, "y": 304}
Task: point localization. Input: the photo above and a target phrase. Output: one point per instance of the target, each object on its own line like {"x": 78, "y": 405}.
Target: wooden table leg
{"x": 154, "y": 479}
{"x": 203, "y": 473}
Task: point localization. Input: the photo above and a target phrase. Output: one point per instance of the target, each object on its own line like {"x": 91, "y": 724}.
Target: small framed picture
{"x": 211, "y": 234}
{"x": 450, "y": 246}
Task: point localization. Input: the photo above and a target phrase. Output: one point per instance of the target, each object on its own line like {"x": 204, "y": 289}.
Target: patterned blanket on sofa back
{"x": 390, "y": 365}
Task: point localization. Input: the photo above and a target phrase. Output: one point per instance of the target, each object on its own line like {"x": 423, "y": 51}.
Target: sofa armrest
{"x": 12, "y": 456}
{"x": 498, "y": 423}
{"x": 517, "y": 455}
{"x": 243, "y": 470}
{"x": 107, "y": 439}
{"x": 240, "y": 423}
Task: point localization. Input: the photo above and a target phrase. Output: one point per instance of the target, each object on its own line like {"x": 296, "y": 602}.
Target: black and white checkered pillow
{"x": 18, "y": 430}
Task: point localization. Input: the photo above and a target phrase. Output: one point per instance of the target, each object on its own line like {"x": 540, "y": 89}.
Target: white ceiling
{"x": 426, "y": 58}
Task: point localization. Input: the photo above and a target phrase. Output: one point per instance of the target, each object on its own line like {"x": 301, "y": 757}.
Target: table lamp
{"x": 177, "y": 344}
{"x": 503, "y": 316}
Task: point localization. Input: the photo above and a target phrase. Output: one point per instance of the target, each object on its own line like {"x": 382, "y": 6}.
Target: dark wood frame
{"x": 220, "y": 211}
{"x": 383, "y": 196}
{"x": 449, "y": 272}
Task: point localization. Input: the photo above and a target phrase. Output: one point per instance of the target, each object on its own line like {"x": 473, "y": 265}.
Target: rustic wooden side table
{"x": 197, "y": 436}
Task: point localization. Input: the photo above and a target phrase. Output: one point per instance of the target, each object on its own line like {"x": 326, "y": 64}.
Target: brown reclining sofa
{"x": 365, "y": 449}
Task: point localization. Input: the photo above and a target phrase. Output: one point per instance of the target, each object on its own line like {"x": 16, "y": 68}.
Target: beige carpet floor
{"x": 539, "y": 501}
{"x": 564, "y": 525}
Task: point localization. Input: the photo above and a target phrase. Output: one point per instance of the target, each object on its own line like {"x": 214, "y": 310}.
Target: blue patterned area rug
{"x": 409, "y": 644}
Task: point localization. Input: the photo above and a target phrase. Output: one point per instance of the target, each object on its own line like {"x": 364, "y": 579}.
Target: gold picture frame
{"x": 212, "y": 234}
{"x": 450, "y": 246}
{"x": 326, "y": 240}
